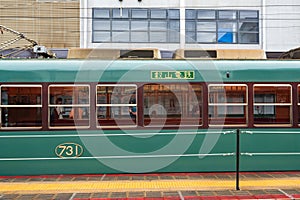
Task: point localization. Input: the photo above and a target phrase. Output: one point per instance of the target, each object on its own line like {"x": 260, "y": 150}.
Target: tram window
{"x": 21, "y": 106}
{"x": 299, "y": 105}
{"x": 173, "y": 105}
{"x": 272, "y": 104}
{"x": 116, "y": 105}
{"x": 69, "y": 106}
{"x": 227, "y": 104}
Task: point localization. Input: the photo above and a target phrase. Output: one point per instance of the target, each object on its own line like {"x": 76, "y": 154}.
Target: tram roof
{"x": 25, "y": 71}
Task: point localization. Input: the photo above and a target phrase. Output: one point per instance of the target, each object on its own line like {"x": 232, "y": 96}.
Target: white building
{"x": 271, "y": 25}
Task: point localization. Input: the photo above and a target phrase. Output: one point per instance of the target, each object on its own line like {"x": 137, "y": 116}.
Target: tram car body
{"x": 142, "y": 116}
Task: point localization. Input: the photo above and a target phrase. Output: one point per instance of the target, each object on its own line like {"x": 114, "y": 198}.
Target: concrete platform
{"x": 252, "y": 185}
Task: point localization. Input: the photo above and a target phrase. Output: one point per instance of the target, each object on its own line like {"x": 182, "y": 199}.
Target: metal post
{"x": 237, "y": 187}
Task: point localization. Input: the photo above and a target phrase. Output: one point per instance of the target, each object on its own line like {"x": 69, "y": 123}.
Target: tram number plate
{"x": 68, "y": 150}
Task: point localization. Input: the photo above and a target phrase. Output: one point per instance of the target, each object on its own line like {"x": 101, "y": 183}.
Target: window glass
{"x": 227, "y": 104}
{"x": 139, "y": 13}
{"x": 248, "y": 15}
{"x": 158, "y": 36}
{"x": 21, "y": 106}
{"x": 120, "y": 37}
{"x": 190, "y": 37}
{"x": 101, "y": 36}
{"x": 101, "y": 25}
{"x": 227, "y": 32}
{"x": 120, "y": 13}
{"x": 248, "y": 38}
{"x": 109, "y": 23}
{"x": 172, "y": 105}
{"x": 139, "y": 37}
{"x": 158, "y": 14}
{"x": 282, "y": 94}
{"x": 272, "y": 104}
{"x": 248, "y": 26}
{"x": 190, "y": 26}
{"x": 227, "y": 14}
{"x": 101, "y": 13}
{"x": 173, "y": 36}
{"x": 190, "y": 14}
{"x": 139, "y": 25}
{"x": 174, "y": 25}
{"x": 299, "y": 104}
{"x": 69, "y": 106}
{"x": 227, "y": 37}
{"x": 120, "y": 25}
{"x": 228, "y": 27}
{"x": 206, "y": 37}
{"x": 298, "y": 94}
{"x": 173, "y": 14}
{"x": 116, "y": 105}
{"x": 158, "y": 25}
{"x": 206, "y": 26}
{"x": 206, "y": 14}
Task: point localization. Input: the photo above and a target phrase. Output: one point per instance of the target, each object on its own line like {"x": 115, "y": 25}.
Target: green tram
{"x": 144, "y": 116}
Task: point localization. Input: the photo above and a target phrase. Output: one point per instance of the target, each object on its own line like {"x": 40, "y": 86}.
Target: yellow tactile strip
{"x": 141, "y": 185}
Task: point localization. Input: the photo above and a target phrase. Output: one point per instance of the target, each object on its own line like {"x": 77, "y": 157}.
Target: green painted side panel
{"x": 142, "y": 151}
{"x": 270, "y": 149}
{"x": 140, "y": 70}
{"x": 134, "y": 152}
{"x": 55, "y": 167}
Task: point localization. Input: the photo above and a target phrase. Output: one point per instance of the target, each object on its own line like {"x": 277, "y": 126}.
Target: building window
{"x": 135, "y": 25}
{"x": 222, "y": 26}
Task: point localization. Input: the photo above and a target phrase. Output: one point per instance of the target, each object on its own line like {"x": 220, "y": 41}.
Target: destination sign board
{"x": 172, "y": 74}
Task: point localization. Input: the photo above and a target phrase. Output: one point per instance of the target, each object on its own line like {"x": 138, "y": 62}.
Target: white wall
{"x": 279, "y": 32}
{"x": 224, "y": 4}
{"x": 282, "y": 24}
{"x": 134, "y": 3}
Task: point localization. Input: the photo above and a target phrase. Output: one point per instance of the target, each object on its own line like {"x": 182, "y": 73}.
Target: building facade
{"x": 51, "y": 23}
{"x": 271, "y": 25}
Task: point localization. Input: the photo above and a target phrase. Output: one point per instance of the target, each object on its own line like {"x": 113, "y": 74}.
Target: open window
{"x": 21, "y": 106}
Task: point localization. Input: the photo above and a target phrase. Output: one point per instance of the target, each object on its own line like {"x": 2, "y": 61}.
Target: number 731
{"x": 68, "y": 150}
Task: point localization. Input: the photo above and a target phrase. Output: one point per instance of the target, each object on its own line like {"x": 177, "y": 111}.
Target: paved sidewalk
{"x": 273, "y": 185}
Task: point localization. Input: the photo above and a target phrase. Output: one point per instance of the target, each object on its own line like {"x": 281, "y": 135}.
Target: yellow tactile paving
{"x": 151, "y": 185}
